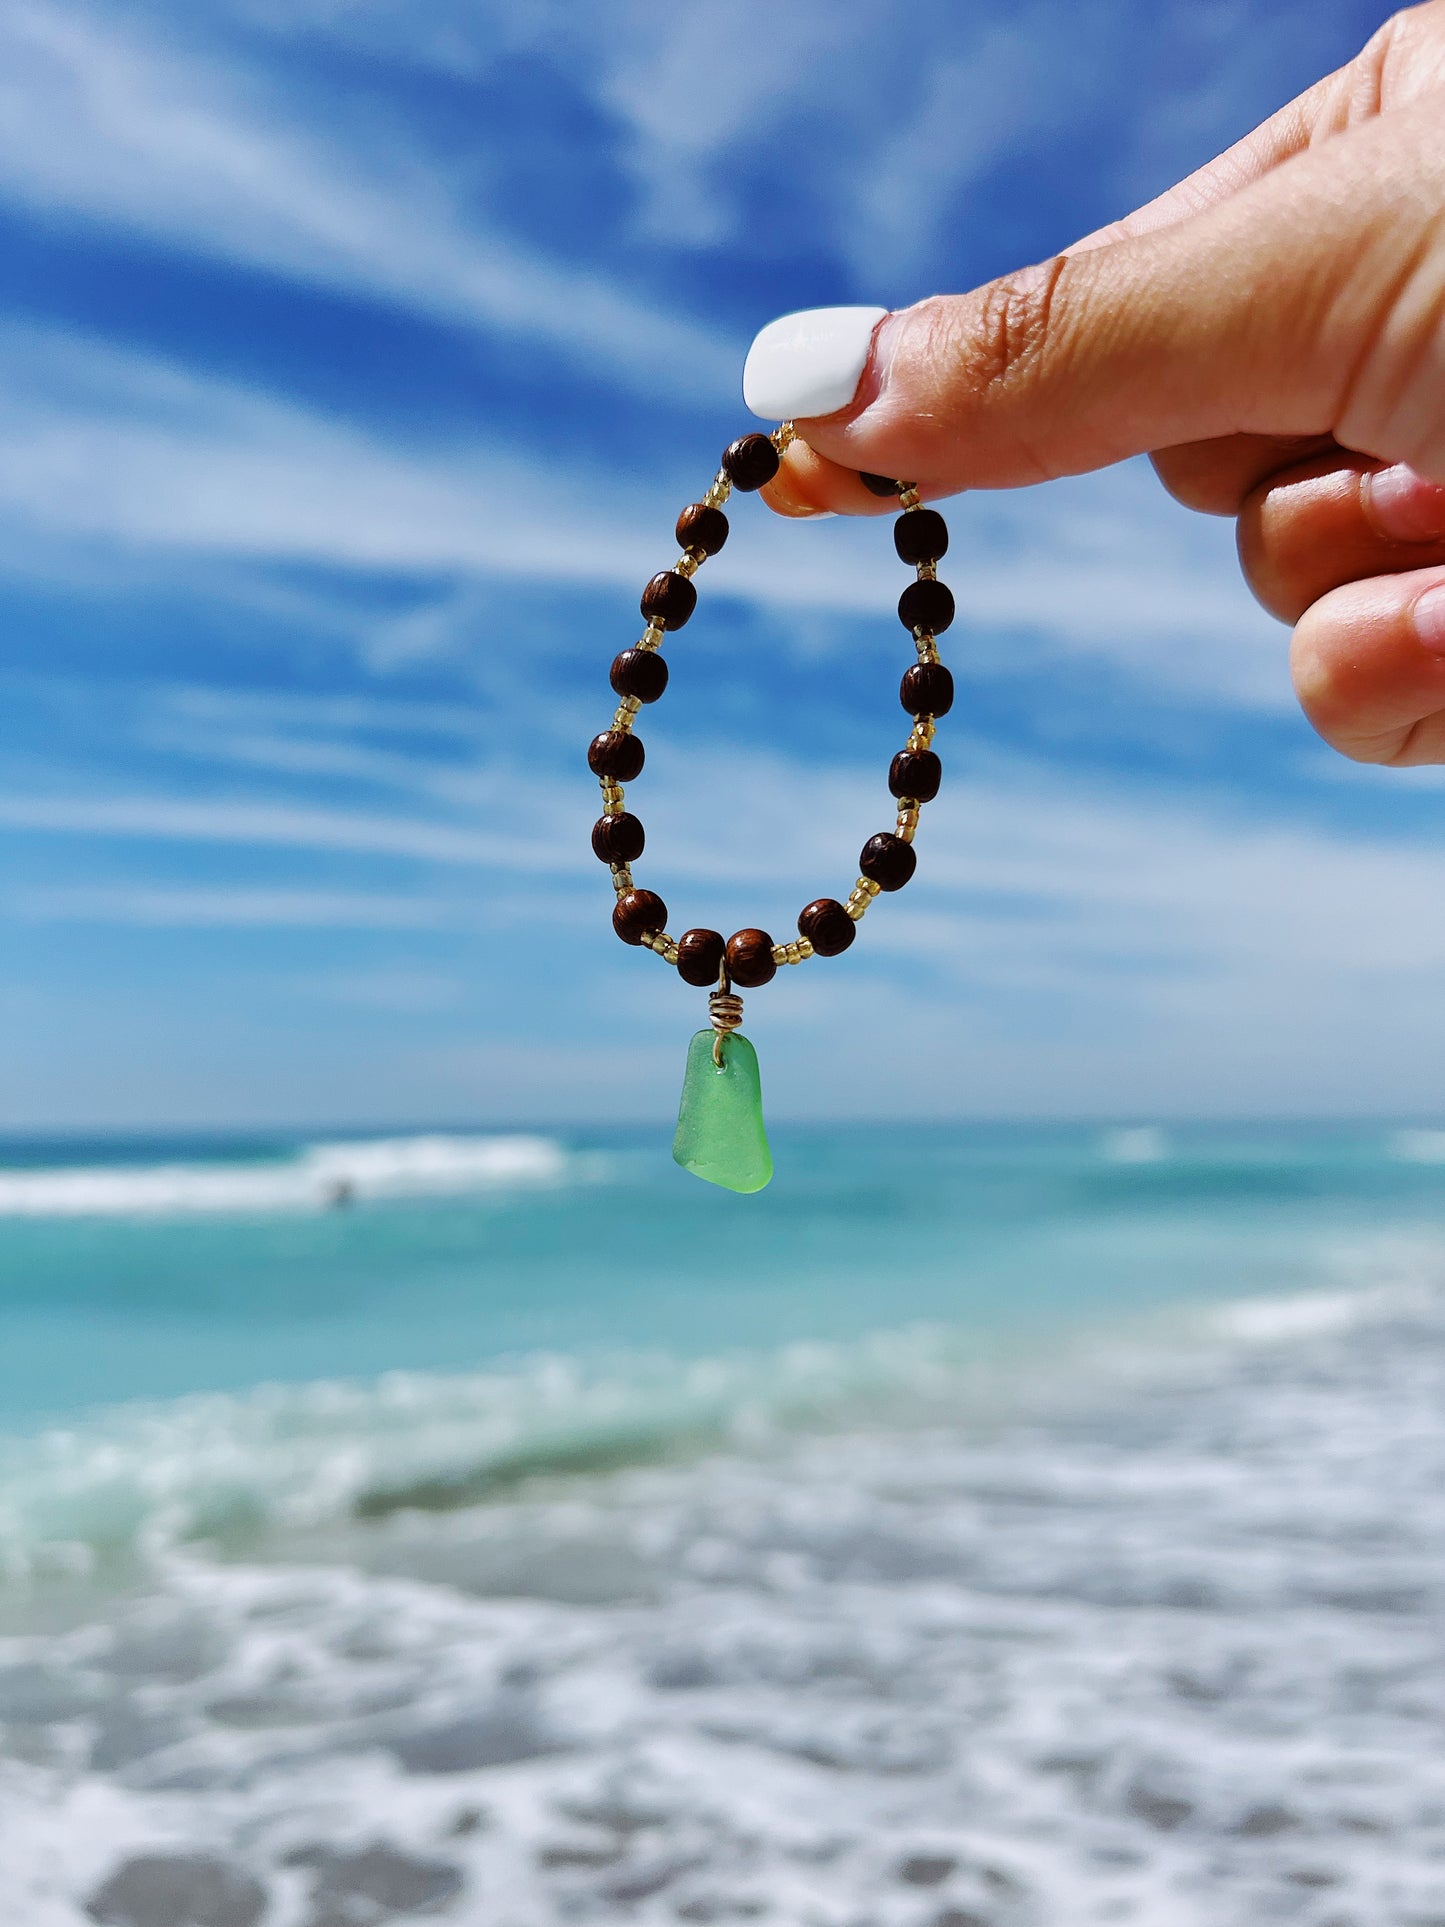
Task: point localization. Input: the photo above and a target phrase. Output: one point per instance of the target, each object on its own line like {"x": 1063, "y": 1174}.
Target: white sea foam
{"x": 1418, "y": 1147}
{"x": 141, "y": 1480}
{"x": 321, "y": 1175}
{"x": 1137, "y": 1144}
{"x": 1169, "y": 1653}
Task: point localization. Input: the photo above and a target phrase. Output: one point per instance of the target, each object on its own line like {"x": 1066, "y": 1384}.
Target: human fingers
{"x": 1306, "y": 305}
{"x": 1335, "y": 521}
{"x": 807, "y": 483}
{"x": 1214, "y": 477}
{"x": 1369, "y": 668}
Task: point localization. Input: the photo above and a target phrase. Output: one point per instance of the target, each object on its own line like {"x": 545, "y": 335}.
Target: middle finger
{"x": 1338, "y": 519}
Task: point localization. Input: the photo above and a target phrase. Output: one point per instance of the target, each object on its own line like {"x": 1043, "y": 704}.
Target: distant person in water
{"x": 1271, "y": 331}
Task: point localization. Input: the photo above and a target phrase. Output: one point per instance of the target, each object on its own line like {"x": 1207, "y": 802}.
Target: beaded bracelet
{"x": 720, "y": 1133}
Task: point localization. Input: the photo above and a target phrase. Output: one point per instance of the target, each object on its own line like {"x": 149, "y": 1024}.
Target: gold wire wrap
{"x": 725, "y": 1013}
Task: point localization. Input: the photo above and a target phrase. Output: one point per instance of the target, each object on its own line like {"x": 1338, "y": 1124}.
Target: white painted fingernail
{"x": 808, "y": 363}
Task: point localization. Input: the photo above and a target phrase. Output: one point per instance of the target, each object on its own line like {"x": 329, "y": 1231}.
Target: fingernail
{"x": 1403, "y": 505}
{"x": 808, "y": 363}
{"x": 1429, "y": 615}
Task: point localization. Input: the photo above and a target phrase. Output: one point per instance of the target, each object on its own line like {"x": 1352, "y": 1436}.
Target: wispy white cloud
{"x": 215, "y": 705}
{"x": 1062, "y": 948}
{"x": 116, "y": 453}
{"x": 206, "y": 156}
{"x": 229, "y": 909}
{"x": 1065, "y": 948}
{"x": 400, "y": 991}
{"x": 1068, "y": 944}
{"x": 263, "y": 823}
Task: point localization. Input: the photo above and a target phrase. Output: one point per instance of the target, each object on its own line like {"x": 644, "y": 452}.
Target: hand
{"x": 1273, "y": 330}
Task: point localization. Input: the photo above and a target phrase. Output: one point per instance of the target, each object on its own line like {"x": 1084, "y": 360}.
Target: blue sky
{"x": 354, "y": 360}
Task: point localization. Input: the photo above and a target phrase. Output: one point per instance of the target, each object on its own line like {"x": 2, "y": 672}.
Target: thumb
{"x": 1309, "y": 303}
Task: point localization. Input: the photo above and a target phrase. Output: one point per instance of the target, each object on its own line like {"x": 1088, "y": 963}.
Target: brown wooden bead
{"x": 639, "y": 672}
{"x": 639, "y": 914}
{"x": 669, "y": 599}
{"x": 879, "y": 484}
{"x": 616, "y": 753}
{"x": 699, "y": 957}
{"x": 916, "y": 773}
{"x": 827, "y": 926}
{"x": 920, "y": 536}
{"x": 618, "y": 839}
{"x": 749, "y": 462}
{"x": 926, "y": 605}
{"x": 887, "y": 860}
{"x": 926, "y": 689}
{"x": 750, "y": 952}
{"x": 700, "y": 526}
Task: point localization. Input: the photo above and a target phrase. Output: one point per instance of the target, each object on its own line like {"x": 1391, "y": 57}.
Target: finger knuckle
{"x": 1017, "y": 324}
{"x": 1397, "y": 398}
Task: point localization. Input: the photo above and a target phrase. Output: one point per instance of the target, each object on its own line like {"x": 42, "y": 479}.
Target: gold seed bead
{"x": 622, "y": 878}
{"x": 782, "y": 435}
{"x": 927, "y": 648}
{"x": 626, "y": 711}
{"x": 909, "y": 498}
{"x": 688, "y": 563}
{"x": 792, "y": 953}
{"x": 907, "y": 821}
{"x": 928, "y": 572}
{"x": 664, "y": 946}
{"x": 651, "y": 637}
{"x": 862, "y": 895}
{"x": 924, "y": 731}
{"x": 611, "y": 797}
{"x": 720, "y": 490}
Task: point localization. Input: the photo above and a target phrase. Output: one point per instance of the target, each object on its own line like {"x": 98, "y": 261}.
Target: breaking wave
{"x": 318, "y": 1176}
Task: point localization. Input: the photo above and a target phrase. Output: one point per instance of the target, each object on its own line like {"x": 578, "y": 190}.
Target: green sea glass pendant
{"x": 720, "y": 1133}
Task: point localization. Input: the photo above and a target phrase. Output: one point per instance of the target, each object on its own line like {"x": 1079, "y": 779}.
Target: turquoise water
{"x": 981, "y": 1526}
{"x": 147, "y": 1270}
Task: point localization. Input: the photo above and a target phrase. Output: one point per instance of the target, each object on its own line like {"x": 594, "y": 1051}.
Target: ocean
{"x": 982, "y": 1527}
